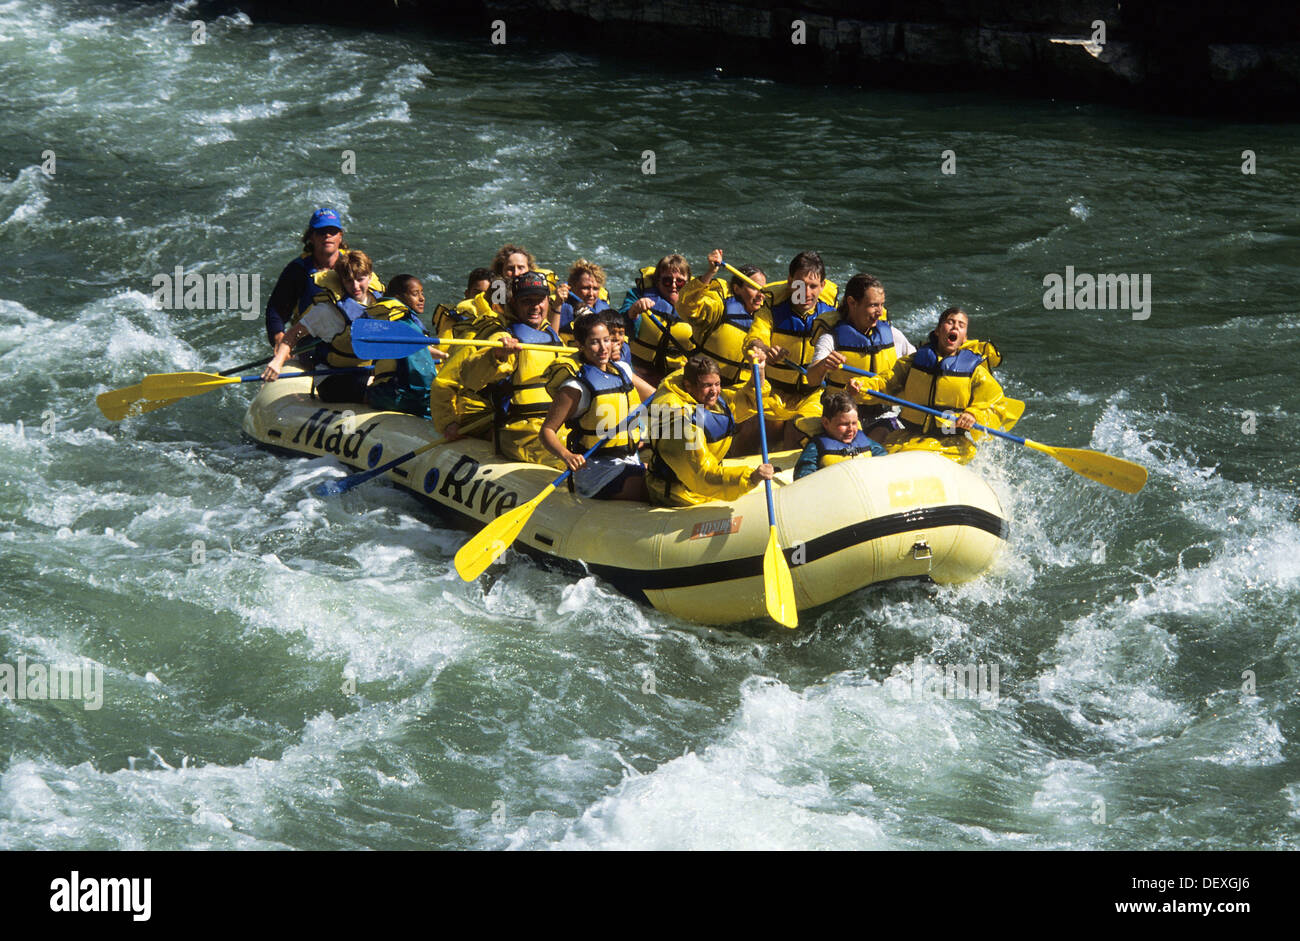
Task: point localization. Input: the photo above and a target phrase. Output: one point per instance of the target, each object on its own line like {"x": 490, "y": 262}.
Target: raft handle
{"x": 921, "y": 550}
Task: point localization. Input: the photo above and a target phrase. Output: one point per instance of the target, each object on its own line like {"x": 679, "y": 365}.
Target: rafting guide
{"x": 211, "y": 291}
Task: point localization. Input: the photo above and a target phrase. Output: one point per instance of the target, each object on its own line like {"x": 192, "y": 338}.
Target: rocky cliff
{"x": 1172, "y": 55}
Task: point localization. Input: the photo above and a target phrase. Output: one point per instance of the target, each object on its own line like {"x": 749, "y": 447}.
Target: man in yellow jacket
{"x": 514, "y": 378}
{"x": 691, "y": 428}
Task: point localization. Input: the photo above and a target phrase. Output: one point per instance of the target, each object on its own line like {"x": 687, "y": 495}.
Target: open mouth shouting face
{"x": 951, "y": 333}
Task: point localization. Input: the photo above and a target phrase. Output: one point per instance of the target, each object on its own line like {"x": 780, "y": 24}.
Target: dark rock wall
{"x": 1232, "y": 58}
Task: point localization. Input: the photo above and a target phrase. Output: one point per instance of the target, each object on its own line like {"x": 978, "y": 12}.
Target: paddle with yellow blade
{"x": 778, "y": 587}
{"x": 493, "y": 539}
{"x": 389, "y": 339}
{"x": 171, "y": 386}
{"x": 1106, "y": 469}
{"x": 344, "y": 484}
{"x": 117, "y": 404}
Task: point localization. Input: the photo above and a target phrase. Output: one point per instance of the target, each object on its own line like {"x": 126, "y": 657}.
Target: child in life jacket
{"x": 841, "y": 438}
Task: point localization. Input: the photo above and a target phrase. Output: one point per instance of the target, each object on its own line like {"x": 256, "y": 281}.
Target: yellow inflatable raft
{"x": 911, "y": 514}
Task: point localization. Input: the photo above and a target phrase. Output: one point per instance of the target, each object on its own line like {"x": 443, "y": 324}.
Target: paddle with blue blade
{"x": 493, "y": 539}
{"x": 386, "y": 339}
{"x": 778, "y": 587}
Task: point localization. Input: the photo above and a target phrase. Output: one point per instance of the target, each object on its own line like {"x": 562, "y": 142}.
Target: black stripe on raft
{"x": 633, "y": 582}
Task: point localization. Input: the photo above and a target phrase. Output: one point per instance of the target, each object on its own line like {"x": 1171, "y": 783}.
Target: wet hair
{"x": 837, "y": 403}
{"x": 857, "y": 289}
{"x": 673, "y": 262}
{"x": 583, "y": 325}
{"x": 613, "y": 319}
{"x": 582, "y": 266}
{"x": 748, "y": 271}
{"x": 699, "y": 366}
{"x": 807, "y": 261}
{"x": 355, "y": 263}
{"x": 954, "y": 310}
{"x": 477, "y": 275}
{"x": 401, "y": 284}
{"x": 307, "y": 242}
{"x": 503, "y": 255}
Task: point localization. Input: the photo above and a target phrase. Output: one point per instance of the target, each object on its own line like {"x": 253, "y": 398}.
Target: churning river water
{"x": 278, "y": 670}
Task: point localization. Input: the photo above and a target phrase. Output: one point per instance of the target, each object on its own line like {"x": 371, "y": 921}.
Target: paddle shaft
{"x": 319, "y": 372}
{"x": 762, "y": 440}
{"x": 668, "y": 333}
{"x": 368, "y": 331}
{"x": 743, "y": 277}
{"x": 922, "y": 408}
{"x": 354, "y": 480}
{"x": 301, "y": 348}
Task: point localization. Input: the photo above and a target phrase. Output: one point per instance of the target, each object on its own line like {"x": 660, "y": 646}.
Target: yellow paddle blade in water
{"x": 778, "y": 587}
{"x": 493, "y": 539}
{"x": 178, "y": 385}
{"x": 1104, "y": 468}
{"x": 117, "y": 404}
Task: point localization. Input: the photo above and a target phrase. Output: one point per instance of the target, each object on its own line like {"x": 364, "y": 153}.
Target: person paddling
{"x": 691, "y": 431}
{"x": 864, "y": 339}
{"x": 328, "y": 317}
{"x": 512, "y": 377}
{"x": 591, "y": 394}
{"x": 783, "y": 330}
{"x": 951, "y": 373}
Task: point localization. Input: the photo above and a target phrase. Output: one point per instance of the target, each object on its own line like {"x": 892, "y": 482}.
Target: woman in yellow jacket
{"x": 691, "y": 427}
{"x": 721, "y": 322}
{"x": 949, "y": 373}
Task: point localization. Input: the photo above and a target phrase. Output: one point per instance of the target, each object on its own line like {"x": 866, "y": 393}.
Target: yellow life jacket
{"x": 717, "y": 424}
{"x": 654, "y": 349}
{"x": 612, "y": 398}
{"x": 724, "y": 344}
{"x": 338, "y": 353}
{"x": 326, "y": 287}
{"x": 943, "y": 383}
{"x": 523, "y": 396}
{"x": 832, "y": 450}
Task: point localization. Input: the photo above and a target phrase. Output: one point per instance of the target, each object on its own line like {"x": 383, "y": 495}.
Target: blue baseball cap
{"x": 323, "y": 218}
